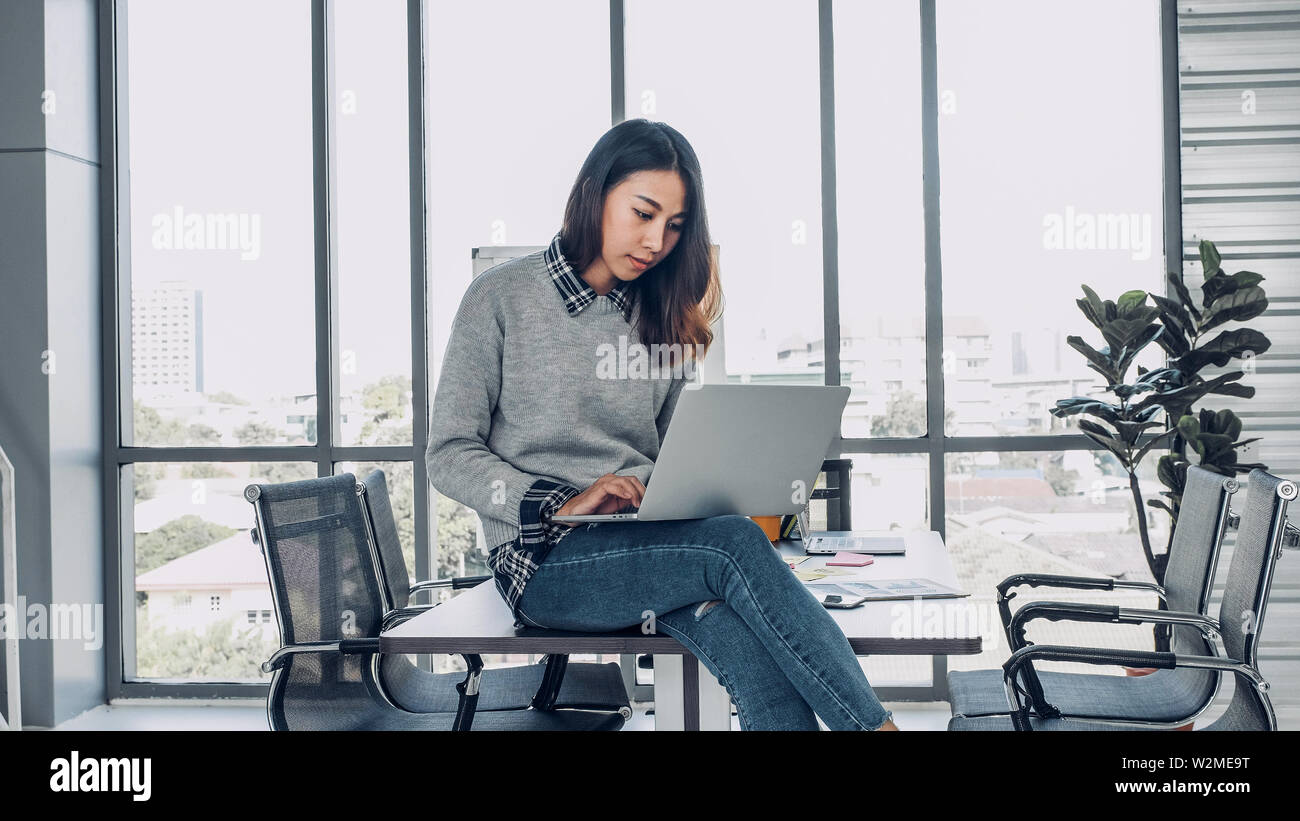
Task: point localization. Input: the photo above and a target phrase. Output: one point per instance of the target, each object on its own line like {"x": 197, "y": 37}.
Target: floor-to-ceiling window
{"x": 265, "y": 285}
{"x": 810, "y": 123}
{"x": 1050, "y": 161}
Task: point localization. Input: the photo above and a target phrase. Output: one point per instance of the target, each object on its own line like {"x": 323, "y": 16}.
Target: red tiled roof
{"x": 998, "y": 488}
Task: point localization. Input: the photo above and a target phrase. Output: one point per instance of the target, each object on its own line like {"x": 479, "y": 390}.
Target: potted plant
{"x": 1214, "y": 436}
{"x": 1155, "y": 408}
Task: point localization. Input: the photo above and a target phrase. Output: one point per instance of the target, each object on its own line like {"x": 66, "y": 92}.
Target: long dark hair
{"x": 681, "y": 296}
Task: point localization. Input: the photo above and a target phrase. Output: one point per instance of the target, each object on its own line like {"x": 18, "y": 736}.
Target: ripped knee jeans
{"x": 718, "y": 587}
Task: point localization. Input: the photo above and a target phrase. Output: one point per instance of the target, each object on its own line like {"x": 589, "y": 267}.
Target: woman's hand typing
{"x": 609, "y": 494}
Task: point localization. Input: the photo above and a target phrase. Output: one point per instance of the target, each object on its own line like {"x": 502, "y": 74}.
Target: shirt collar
{"x": 576, "y": 293}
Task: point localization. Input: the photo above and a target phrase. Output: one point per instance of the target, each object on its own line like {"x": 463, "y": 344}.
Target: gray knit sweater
{"x": 524, "y": 394}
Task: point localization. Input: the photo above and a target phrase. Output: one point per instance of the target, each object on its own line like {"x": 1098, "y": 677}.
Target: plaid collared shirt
{"x": 576, "y": 293}
{"x": 513, "y": 563}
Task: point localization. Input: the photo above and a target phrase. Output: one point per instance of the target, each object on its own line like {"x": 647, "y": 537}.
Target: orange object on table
{"x": 771, "y": 526}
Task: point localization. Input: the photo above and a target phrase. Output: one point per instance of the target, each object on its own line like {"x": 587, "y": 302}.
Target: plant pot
{"x": 1146, "y": 671}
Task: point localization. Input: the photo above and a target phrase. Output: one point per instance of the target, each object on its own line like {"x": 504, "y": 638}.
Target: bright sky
{"x": 1033, "y": 122}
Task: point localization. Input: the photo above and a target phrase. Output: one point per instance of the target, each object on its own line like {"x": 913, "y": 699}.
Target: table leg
{"x": 690, "y": 693}
{"x": 939, "y": 677}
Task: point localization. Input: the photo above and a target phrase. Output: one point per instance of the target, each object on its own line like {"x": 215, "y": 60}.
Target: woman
{"x": 529, "y": 420}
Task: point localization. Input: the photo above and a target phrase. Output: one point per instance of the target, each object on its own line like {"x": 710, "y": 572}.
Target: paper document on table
{"x": 810, "y": 575}
{"x": 893, "y": 589}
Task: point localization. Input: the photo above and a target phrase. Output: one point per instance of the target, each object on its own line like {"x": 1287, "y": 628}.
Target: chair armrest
{"x": 1025, "y": 657}
{"x": 1077, "y": 582}
{"x": 1073, "y": 582}
{"x": 454, "y": 583}
{"x": 395, "y": 617}
{"x": 1050, "y": 580}
{"x": 1102, "y": 613}
{"x": 345, "y": 646}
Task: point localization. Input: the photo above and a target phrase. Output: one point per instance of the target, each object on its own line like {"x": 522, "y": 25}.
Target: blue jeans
{"x": 718, "y": 587}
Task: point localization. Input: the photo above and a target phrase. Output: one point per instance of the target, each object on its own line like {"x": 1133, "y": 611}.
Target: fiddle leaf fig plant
{"x": 1225, "y": 298}
{"x": 1212, "y": 435}
{"x": 1157, "y": 403}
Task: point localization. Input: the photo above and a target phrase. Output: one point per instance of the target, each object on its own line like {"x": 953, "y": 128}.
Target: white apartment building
{"x": 167, "y": 339}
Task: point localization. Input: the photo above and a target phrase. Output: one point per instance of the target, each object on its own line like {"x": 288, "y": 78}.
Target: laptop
{"x": 831, "y": 542}
{"x": 749, "y": 450}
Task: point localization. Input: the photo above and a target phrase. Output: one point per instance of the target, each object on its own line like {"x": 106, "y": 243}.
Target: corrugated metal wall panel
{"x": 1239, "y": 106}
{"x": 1241, "y": 189}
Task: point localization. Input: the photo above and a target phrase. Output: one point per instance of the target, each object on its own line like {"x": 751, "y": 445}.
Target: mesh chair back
{"x": 1189, "y": 576}
{"x": 379, "y": 510}
{"x": 1194, "y": 551}
{"x": 1196, "y": 538}
{"x": 325, "y": 588}
{"x": 1245, "y": 593}
{"x": 397, "y": 675}
{"x": 1251, "y": 572}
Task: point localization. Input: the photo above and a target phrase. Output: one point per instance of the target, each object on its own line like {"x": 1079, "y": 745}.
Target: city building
{"x": 167, "y": 339}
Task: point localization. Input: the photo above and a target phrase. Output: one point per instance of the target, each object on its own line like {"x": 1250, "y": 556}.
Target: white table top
{"x": 478, "y": 621}
{"x": 902, "y": 621}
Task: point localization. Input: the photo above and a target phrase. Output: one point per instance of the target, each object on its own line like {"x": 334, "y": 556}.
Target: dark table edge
{"x": 655, "y": 644}
{"x": 662, "y": 644}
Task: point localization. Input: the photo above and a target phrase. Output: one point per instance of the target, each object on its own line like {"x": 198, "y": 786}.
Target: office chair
{"x": 1241, "y": 618}
{"x": 550, "y": 685}
{"x": 329, "y": 607}
{"x": 1168, "y": 696}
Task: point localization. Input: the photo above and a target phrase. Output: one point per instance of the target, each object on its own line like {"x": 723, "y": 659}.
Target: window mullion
{"x": 934, "y": 387}
{"x": 325, "y": 241}
{"x": 830, "y": 213}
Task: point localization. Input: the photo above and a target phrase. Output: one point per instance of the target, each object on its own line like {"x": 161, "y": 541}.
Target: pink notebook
{"x": 850, "y": 560}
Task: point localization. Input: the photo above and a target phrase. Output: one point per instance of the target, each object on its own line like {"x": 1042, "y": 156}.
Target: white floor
{"x": 159, "y": 714}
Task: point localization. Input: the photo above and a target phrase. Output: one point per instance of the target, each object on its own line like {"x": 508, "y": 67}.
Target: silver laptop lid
{"x": 752, "y": 450}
